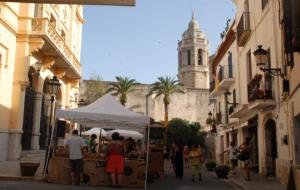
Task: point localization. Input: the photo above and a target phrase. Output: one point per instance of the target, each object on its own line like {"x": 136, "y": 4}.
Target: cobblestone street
{"x": 210, "y": 182}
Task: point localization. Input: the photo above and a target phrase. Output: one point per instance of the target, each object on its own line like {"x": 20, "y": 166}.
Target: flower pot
{"x": 28, "y": 168}
{"x": 222, "y": 171}
{"x": 210, "y": 165}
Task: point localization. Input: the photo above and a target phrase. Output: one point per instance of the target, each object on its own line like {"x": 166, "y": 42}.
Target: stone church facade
{"x": 193, "y": 72}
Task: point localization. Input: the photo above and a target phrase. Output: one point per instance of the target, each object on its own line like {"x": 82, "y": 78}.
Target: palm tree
{"x": 166, "y": 87}
{"x": 122, "y": 87}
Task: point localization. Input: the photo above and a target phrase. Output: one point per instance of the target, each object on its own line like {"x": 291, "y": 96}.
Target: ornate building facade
{"x": 37, "y": 42}
{"x": 260, "y": 98}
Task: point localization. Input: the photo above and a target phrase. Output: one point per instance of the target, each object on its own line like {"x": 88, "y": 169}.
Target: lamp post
{"x": 212, "y": 123}
{"x": 261, "y": 58}
{"x": 80, "y": 103}
{"x": 53, "y": 85}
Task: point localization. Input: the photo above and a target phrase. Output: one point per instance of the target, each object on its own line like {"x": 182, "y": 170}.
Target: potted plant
{"x": 222, "y": 171}
{"x": 210, "y": 165}
{"x": 28, "y": 168}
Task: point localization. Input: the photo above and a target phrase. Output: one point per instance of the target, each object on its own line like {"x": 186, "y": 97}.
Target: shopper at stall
{"x": 115, "y": 162}
{"x": 92, "y": 144}
{"x": 76, "y": 148}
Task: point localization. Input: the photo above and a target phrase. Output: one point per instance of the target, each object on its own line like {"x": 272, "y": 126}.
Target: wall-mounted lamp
{"x": 261, "y": 57}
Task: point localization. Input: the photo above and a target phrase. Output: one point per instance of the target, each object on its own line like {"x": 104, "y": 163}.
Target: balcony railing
{"x": 221, "y": 118}
{"x": 225, "y": 77}
{"x": 259, "y": 96}
{"x": 243, "y": 29}
{"x": 42, "y": 27}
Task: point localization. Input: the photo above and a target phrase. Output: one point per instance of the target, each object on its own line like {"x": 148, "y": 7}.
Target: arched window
{"x": 189, "y": 57}
{"x": 200, "y": 58}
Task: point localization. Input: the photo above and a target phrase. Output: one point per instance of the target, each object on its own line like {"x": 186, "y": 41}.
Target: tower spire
{"x": 194, "y": 16}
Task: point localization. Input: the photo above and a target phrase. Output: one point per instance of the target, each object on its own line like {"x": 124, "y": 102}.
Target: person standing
{"x": 232, "y": 151}
{"x": 186, "y": 153}
{"x": 178, "y": 161}
{"x": 245, "y": 155}
{"x": 76, "y": 148}
{"x": 92, "y": 144}
{"x": 195, "y": 158}
{"x": 116, "y": 161}
{"x": 173, "y": 157}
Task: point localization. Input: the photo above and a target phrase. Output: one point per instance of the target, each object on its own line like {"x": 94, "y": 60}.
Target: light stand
{"x": 53, "y": 86}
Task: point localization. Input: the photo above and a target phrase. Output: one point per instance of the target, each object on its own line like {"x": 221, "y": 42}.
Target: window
{"x": 230, "y": 70}
{"x": 200, "y": 60}
{"x": 189, "y": 57}
{"x": 53, "y": 21}
{"x": 249, "y": 66}
{"x": 63, "y": 35}
{"x": 234, "y": 97}
{"x": 264, "y": 3}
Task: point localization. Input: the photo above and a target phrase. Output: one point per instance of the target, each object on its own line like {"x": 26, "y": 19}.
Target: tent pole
{"x": 147, "y": 159}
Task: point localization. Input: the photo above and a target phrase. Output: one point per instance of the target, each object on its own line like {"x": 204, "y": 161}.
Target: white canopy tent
{"x": 99, "y": 132}
{"x": 126, "y": 134}
{"x": 107, "y": 112}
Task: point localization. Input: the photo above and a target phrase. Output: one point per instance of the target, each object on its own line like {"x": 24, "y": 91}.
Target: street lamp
{"x": 53, "y": 86}
{"x": 261, "y": 57}
{"x": 212, "y": 122}
{"x": 80, "y": 103}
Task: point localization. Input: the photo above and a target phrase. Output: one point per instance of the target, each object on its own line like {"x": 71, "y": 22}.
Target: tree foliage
{"x": 122, "y": 87}
{"x": 185, "y": 133}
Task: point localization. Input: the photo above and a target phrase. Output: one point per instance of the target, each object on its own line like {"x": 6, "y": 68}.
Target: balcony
{"x": 243, "y": 29}
{"x": 225, "y": 77}
{"x": 56, "y": 46}
{"x": 224, "y": 80}
{"x": 258, "y": 97}
{"x": 221, "y": 119}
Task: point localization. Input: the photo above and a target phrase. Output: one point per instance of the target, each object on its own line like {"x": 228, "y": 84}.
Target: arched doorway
{"x": 44, "y": 123}
{"x": 28, "y": 114}
{"x": 271, "y": 147}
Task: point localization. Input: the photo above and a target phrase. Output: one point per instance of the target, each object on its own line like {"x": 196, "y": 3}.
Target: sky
{"x": 141, "y": 42}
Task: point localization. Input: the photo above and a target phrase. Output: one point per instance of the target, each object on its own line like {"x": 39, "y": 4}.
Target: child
{"x": 195, "y": 157}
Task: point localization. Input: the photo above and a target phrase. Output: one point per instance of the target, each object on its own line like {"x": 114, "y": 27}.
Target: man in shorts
{"x": 75, "y": 146}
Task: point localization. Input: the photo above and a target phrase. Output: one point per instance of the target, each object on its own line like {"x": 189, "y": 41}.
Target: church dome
{"x": 194, "y": 24}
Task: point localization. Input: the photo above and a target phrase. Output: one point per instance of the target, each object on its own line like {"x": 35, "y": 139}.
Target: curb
{"x": 233, "y": 184}
{"x": 22, "y": 178}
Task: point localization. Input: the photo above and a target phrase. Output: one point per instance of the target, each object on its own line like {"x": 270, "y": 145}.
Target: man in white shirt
{"x": 76, "y": 146}
{"x": 232, "y": 152}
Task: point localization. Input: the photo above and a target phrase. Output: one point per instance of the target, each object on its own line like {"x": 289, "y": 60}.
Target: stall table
{"x": 95, "y": 172}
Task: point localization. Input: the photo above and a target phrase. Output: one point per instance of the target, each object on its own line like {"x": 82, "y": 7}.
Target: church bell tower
{"x": 193, "y": 52}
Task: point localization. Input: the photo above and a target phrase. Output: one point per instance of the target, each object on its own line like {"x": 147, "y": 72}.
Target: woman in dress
{"x": 186, "y": 152}
{"x": 115, "y": 162}
{"x": 245, "y": 155}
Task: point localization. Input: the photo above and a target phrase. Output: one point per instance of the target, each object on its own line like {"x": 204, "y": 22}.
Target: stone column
{"x": 16, "y": 120}
{"x": 36, "y": 121}
{"x": 261, "y": 145}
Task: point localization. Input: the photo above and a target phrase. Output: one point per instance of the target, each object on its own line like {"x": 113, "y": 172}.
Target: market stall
{"x": 106, "y": 112}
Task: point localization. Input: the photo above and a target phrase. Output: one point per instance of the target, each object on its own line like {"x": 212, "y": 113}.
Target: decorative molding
{"x": 35, "y": 44}
{"x": 48, "y": 62}
{"x": 60, "y": 72}
{"x": 23, "y": 84}
{"x": 79, "y": 17}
